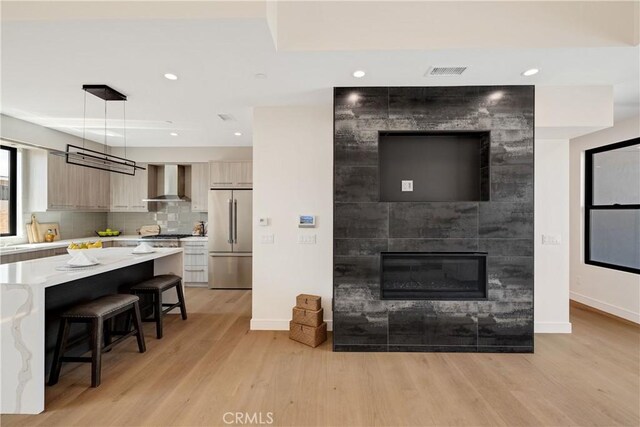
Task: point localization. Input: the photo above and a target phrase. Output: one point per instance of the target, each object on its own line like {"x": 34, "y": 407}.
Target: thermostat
{"x": 306, "y": 221}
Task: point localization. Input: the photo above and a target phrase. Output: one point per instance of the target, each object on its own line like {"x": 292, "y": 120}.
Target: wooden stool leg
{"x": 158, "y": 313}
{"x": 137, "y": 323}
{"x": 96, "y": 351}
{"x": 61, "y": 345}
{"x": 183, "y": 307}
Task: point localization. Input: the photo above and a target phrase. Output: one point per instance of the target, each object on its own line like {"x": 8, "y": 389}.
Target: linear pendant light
{"x": 94, "y": 159}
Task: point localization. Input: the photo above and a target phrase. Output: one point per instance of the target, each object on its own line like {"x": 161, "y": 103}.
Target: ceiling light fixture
{"x": 173, "y": 134}
{"x": 170, "y": 76}
{"x": 358, "y": 74}
{"x": 85, "y": 157}
{"x": 530, "y": 72}
{"x": 260, "y": 76}
{"x": 238, "y": 133}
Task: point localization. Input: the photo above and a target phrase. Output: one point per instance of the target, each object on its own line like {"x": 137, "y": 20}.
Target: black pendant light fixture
{"x": 94, "y": 159}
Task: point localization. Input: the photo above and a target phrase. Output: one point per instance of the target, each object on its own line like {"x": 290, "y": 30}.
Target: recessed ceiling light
{"x": 530, "y": 72}
{"x": 170, "y": 76}
{"x": 173, "y": 134}
{"x": 358, "y": 74}
{"x": 260, "y": 76}
{"x": 238, "y": 133}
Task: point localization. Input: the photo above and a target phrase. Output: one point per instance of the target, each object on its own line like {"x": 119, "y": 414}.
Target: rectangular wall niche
{"x": 441, "y": 166}
{"x": 433, "y": 276}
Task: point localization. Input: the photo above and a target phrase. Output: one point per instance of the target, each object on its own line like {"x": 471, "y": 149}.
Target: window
{"x": 8, "y": 190}
{"x": 612, "y": 206}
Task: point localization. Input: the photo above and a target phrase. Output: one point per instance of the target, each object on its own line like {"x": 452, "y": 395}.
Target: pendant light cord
{"x": 84, "y": 119}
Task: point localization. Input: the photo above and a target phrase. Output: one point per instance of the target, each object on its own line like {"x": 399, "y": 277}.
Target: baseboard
{"x": 277, "y": 324}
{"x": 606, "y": 307}
{"x": 552, "y": 327}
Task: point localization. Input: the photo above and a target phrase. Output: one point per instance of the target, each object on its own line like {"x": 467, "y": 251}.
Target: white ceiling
{"x": 45, "y": 63}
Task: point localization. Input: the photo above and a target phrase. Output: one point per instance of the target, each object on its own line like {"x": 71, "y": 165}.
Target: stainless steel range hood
{"x": 170, "y": 182}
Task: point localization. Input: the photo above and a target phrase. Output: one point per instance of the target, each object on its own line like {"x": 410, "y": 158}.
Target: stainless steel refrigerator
{"x": 230, "y": 239}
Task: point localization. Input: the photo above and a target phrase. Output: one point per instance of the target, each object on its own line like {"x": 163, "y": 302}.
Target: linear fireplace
{"x": 433, "y": 275}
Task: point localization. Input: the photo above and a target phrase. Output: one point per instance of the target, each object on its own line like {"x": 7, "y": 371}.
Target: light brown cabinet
{"x": 55, "y": 185}
{"x": 231, "y": 174}
{"x": 128, "y": 192}
{"x": 199, "y": 187}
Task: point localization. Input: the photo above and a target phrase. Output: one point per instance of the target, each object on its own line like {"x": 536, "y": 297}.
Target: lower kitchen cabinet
{"x": 195, "y": 263}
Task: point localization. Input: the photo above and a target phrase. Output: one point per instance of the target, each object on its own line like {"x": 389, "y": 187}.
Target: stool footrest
{"x": 77, "y": 359}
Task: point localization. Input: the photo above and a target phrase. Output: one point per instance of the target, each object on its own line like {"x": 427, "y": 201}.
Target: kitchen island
{"x": 34, "y": 292}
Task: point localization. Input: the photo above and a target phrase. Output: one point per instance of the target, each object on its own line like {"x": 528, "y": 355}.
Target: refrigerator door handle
{"x": 230, "y": 239}
{"x": 235, "y": 221}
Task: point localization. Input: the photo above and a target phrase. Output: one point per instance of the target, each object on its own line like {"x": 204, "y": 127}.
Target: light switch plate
{"x": 263, "y": 222}
{"x": 551, "y": 239}
{"x": 407, "y": 185}
{"x": 307, "y": 239}
{"x": 266, "y": 239}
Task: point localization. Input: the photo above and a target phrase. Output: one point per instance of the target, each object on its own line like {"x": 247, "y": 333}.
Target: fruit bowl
{"x": 74, "y": 248}
{"x": 108, "y": 233}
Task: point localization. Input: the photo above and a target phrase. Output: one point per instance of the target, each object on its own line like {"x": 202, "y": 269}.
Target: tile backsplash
{"x": 72, "y": 224}
{"x": 171, "y": 217}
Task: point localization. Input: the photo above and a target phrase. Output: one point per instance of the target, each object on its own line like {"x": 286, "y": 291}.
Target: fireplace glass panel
{"x": 433, "y": 276}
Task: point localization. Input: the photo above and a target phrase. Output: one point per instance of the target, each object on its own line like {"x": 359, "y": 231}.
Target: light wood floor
{"x": 212, "y": 364}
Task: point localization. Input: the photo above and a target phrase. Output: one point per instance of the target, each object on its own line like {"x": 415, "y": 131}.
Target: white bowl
{"x": 75, "y": 251}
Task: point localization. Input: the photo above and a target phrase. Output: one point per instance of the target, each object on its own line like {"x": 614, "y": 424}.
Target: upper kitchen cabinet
{"x": 128, "y": 192}
{"x": 199, "y": 187}
{"x": 55, "y": 185}
{"x": 231, "y": 174}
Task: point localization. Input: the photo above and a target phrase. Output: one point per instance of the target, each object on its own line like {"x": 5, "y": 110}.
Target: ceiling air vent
{"x": 445, "y": 71}
{"x": 227, "y": 117}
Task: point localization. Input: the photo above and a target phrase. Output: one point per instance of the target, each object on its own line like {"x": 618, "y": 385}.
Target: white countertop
{"x": 42, "y": 271}
{"x": 30, "y": 247}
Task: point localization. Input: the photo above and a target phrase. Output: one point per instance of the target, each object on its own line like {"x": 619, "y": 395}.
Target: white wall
{"x": 612, "y": 291}
{"x": 292, "y": 174}
{"x": 552, "y": 219}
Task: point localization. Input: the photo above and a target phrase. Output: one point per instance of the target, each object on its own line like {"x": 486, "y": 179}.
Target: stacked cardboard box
{"x": 307, "y": 325}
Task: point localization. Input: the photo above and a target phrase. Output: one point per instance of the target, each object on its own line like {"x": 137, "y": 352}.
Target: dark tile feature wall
{"x": 502, "y": 226}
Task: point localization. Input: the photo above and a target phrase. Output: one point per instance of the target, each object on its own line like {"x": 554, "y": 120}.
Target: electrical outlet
{"x": 407, "y": 185}
{"x": 266, "y": 239}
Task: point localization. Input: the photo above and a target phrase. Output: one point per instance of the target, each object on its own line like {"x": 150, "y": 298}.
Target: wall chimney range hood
{"x": 170, "y": 183}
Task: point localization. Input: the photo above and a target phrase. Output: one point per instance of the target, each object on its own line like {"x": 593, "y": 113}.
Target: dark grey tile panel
{"x": 353, "y": 145}
{"x": 432, "y": 348}
{"x": 359, "y": 328}
{"x": 433, "y": 220}
{"x": 361, "y": 269}
{"x": 511, "y": 147}
{"x": 356, "y": 247}
{"x": 433, "y": 245}
{"x": 360, "y": 348}
{"x": 435, "y": 104}
{"x": 505, "y": 323}
{"x": 361, "y": 103}
{"x": 506, "y": 220}
{"x": 505, "y": 349}
{"x": 506, "y": 247}
{"x": 510, "y": 273}
{"x": 430, "y": 328}
{"x": 356, "y": 184}
{"x": 513, "y": 183}
{"x": 360, "y": 220}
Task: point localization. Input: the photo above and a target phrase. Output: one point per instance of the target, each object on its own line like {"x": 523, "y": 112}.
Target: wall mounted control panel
{"x": 306, "y": 221}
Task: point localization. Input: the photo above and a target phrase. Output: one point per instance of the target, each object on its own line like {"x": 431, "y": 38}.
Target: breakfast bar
{"x": 33, "y": 291}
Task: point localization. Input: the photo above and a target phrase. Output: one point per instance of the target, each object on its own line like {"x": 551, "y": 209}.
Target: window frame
{"x": 13, "y": 191}
{"x": 589, "y": 206}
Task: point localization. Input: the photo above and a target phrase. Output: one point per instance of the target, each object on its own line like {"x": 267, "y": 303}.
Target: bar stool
{"x": 155, "y": 287}
{"x": 96, "y": 312}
